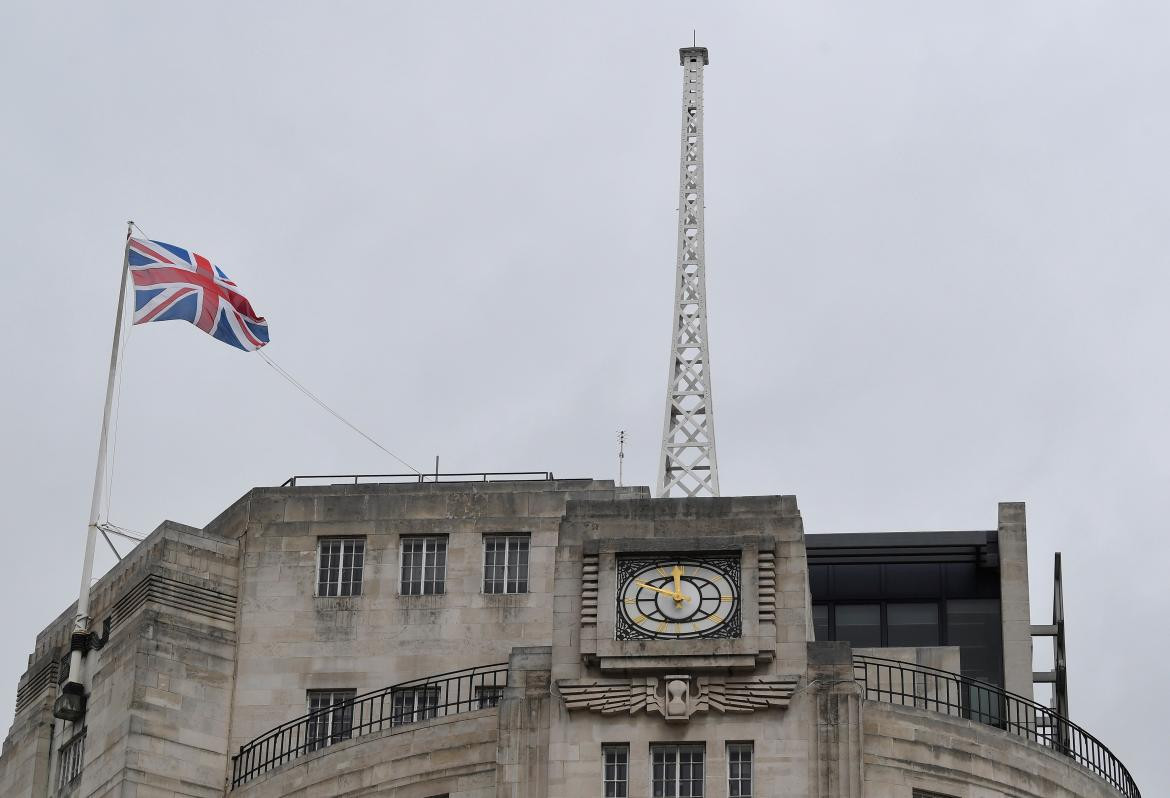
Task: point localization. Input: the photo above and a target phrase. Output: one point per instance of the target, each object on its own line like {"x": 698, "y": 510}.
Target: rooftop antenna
{"x": 621, "y": 454}
{"x": 686, "y": 462}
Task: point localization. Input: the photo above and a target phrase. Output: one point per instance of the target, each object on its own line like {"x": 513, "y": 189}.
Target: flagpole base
{"x": 70, "y": 704}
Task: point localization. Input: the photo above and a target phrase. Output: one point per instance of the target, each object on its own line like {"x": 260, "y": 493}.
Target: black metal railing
{"x": 468, "y": 476}
{"x": 390, "y": 708}
{"x": 893, "y": 682}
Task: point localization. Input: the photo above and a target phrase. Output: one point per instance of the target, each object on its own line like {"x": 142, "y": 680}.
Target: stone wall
{"x": 453, "y": 756}
{"x": 160, "y": 686}
{"x": 291, "y": 641}
{"x": 907, "y": 749}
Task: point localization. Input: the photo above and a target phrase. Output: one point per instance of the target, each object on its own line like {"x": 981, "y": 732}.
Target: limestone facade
{"x": 218, "y": 635}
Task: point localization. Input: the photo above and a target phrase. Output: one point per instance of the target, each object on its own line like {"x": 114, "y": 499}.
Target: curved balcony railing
{"x": 894, "y": 682}
{"x": 394, "y": 707}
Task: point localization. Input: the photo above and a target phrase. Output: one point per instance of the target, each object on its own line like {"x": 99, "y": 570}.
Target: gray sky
{"x": 937, "y": 242}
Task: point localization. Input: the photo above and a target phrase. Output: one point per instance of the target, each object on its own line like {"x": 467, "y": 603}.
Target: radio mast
{"x": 687, "y": 465}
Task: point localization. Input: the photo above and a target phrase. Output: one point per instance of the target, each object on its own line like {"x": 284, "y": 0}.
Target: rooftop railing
{"x": 366, "y": 479}
{"x": 391, "y": 708}
{"x": 894, "y": 682}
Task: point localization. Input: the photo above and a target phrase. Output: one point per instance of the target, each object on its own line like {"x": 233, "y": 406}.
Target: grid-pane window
{"x": 505, "y": 564}
{"x": 488, "y": 696}
{"x": 339, "y": 566}
{"x": 676, "y": 771}
{"x": 330, "y": 717}
{"x": 424, "y": 566}
{"x": 412, "y": 704}
{"x": 615, "y": 771}
{"x": 739, "y": 770}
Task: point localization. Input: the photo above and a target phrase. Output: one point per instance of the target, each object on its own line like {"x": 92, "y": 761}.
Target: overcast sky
{"x": 937, "y": 240}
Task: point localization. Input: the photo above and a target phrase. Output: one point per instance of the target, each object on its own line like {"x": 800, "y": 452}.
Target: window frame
{"x": 487, "y": 696}
{"x": 339, "y": 707}
{"x": 354, "y": 586}
{"x": 741, "y": 747}
{"x": 621, "y": 787}
{"x": 418, "y": 711}
{"x": 677, "y": 750}
{"x": 508, "y": 580}
{"x": 440, "y": 571}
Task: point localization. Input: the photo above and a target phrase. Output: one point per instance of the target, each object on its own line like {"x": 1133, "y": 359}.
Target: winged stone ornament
{"x": 704, "y": 694}
{"x": 610, "y": 698}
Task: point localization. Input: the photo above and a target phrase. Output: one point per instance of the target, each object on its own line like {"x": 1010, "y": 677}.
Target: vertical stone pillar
{"x": 1015, "y": 613}
{"x": 522, "y": 755}
{"x": 835, "y": 749}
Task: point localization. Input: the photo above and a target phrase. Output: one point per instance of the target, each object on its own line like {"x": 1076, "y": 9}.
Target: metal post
{"x": 70, "y": 704}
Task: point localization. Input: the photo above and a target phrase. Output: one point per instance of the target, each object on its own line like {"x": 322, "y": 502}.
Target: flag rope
{"x": 296, "y": 384}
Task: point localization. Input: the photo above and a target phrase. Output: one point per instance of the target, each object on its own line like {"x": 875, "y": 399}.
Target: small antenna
{"x": 621, "y": 454}
{"x": 694, "y": 38}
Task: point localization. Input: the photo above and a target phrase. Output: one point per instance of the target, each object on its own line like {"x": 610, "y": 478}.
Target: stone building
{"x": 551, "y": 638}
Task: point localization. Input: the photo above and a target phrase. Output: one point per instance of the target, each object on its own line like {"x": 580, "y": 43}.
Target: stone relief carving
{"x": 677, "y": 697}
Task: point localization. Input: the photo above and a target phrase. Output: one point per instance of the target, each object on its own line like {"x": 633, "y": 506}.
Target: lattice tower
{"x": 687, "y": 465}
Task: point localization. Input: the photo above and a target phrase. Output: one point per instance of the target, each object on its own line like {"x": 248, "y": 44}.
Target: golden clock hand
{"x": 677, "y": 573}
{"x": 670, "y": 593}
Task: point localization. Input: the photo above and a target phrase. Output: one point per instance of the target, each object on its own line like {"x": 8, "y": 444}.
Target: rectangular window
{"x": 615, "y": 770}
{"x": 488, "y": 696}
{"x": 339, "y": 566}
{"x": 330, "y": 717}
{"x": 912, "y": 624}
{"x": 676, "y": 771}
{"x": 70, "y": 757}
{"x": 820, "y": 614}
{"x": 739, "y": 770}
{"x": 505, "y": 564}
{"x": 860, "y": 624}
{"x": 412, "y": 704}
{"x": 424, "y": 566}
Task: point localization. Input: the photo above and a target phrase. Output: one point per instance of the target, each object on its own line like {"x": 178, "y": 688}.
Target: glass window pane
{"x": 860, "y": 624}
{"x": 912, "y": 624}
{"x": 821, "y": 621}
{"x": 974, "y": 626}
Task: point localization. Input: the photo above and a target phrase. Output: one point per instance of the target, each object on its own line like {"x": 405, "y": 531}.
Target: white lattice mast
{"x": 687, "y": 465}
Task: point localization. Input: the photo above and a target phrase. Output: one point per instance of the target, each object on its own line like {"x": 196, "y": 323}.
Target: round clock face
{"x": 671, "y": 598}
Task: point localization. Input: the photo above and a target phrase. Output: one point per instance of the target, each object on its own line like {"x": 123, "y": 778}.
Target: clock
{"x": 675, "y": 598}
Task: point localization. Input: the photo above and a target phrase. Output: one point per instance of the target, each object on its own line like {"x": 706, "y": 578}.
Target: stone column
{"x": 1015, "y": 614}
{"x": 835, "y": 750}
{"x": 522, "y": 756}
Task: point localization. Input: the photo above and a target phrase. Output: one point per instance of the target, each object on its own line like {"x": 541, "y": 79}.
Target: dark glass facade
{"x": 911, "y": 589}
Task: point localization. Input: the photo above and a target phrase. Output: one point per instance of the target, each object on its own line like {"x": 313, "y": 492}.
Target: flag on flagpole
{"x": 174, "y": 283}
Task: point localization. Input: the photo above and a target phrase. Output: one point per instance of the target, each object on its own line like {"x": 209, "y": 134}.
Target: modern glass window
{"x": 615, "y": 770}
{"x": 739, "y": 770}
{"x": 676, "y": 771}
{"x": 505, "y": 564}
{"x": 424, "y": 565}
{"x": 330, "y": 716}
{"x": 488, "y": 696}
{"x": 860, "y": 624}
{"x": 339, "y": 566}
{"x": 821, "y": 622}
{"x": 412, "y": 704}
{"x": 912, "y": 624}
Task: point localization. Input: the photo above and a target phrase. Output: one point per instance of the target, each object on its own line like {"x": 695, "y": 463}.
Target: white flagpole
{"x": 74, "y": 689}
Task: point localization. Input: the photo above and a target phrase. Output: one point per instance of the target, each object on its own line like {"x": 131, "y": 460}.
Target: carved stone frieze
{"x": 678, "y": 697}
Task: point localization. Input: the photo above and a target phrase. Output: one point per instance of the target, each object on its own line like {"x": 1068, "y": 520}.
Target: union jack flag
{"x": 173, "y": 283}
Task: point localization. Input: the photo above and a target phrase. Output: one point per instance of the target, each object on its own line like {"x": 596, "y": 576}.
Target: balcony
{"x": 893, "y": 682}
{"x": 390, "y": 709}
